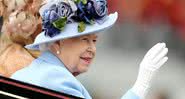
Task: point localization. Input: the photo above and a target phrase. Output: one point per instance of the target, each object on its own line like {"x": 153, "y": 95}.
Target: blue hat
{"x": 72, "y": 18}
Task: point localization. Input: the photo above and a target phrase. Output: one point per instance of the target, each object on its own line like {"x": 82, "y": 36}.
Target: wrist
{"x": 143, "y": 82}
{"x": 140, "y": 90}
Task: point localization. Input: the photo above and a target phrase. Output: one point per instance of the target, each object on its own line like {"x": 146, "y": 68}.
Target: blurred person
{"x": 68, "y": 46}
{"x": 1, "y": 23}
{"x": 21, "y": 24}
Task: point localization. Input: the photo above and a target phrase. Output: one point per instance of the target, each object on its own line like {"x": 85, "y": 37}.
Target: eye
{"x": 94, "y": 41}
{"x": 84, "y": 39}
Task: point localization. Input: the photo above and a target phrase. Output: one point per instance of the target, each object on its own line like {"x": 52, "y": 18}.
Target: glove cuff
{"x": 143, "y": 82}
{"x": 140, "y": 90}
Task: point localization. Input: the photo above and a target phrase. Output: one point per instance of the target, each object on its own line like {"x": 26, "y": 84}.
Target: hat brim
{"x": 72, "y": 31}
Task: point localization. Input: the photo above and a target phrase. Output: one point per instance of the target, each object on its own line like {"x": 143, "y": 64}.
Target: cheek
{"x": 74, "y": 54}
{"x": 82, "y": 67}
{"x": 75, "y": 58}
{"x": 70, "y": 58}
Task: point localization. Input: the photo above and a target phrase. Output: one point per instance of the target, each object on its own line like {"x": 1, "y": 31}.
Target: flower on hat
{"x": 68, "y": 11}
{"x": 91, "y": 10}
{"x": 56, "y": 17}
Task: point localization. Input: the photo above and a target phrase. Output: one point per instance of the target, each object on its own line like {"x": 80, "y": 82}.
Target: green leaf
{"x": 77, "y": 1}
{"x": 84, "y": 1}
{"x": 60, "y": 23}
{"x": 81, "y": 27}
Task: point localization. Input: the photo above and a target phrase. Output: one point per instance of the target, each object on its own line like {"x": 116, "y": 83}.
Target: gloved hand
{"x": 149, "y": 66}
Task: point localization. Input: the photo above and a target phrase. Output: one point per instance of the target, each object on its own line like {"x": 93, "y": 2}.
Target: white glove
{"x": 151, "y": 63}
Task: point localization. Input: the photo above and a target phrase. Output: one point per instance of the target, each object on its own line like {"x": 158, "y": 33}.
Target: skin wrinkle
{"x": 73, "y": 49}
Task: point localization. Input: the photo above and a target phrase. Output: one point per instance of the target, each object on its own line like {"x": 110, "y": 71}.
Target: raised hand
{"x": 149, "y": 66}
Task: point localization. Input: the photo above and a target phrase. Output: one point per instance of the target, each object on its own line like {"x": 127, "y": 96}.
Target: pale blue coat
{"x": 49, "y": 72}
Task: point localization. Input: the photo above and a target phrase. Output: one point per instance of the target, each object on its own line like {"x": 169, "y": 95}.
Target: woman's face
{"x": 78, "y": 53}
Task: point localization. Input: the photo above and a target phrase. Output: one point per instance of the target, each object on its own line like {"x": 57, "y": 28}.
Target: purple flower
{"x": 100, "y": 8}
{"x": 94, "y": 9}
{"x": 52, "y": 14}
{"x": 65, "y": 10}
{"x": 49, "y": 17}
{"x": 50, "y": 30}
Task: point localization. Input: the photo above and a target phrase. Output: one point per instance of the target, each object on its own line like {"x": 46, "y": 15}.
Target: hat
{"x": 64, "y": 19}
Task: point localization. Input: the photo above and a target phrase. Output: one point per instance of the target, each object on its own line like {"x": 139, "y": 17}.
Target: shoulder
{"x": 38, "y": 69}
{"x": 60, "y": 79}
{"x": 50, "y": 76}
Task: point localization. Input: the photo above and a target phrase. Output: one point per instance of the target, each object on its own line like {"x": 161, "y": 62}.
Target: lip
{"x": 87, "y": 60}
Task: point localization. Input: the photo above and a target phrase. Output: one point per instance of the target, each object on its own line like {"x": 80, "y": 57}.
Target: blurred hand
{"x": 149, "y": 66}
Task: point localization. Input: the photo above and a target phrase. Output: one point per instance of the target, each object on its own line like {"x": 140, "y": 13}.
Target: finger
{"x": 161, "y": 62}
{"x": 160, "y": 56}
{"x": 157, "y": 50}
{"x": 152, "y": 49}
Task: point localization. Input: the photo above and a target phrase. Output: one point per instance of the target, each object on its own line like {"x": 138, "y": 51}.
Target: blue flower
{"x": 50, "y": 30}
{"x": 92, "y": 10}
{"x": 100, "y": 8}
{"x": 55, "y": 12}
{"x": 66, "y": 11}
{"x": 51, "y": 14}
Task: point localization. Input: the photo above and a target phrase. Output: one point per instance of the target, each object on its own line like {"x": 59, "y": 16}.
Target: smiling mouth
{"x": 86, "y": 59}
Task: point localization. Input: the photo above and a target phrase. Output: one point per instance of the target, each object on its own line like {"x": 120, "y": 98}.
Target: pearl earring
{"x": 58, "y": 52}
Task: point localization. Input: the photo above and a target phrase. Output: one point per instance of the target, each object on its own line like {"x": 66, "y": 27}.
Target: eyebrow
{"x": 96, "y": 36}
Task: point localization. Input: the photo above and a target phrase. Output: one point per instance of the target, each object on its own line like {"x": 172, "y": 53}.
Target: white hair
{"x": 45, "y": 46}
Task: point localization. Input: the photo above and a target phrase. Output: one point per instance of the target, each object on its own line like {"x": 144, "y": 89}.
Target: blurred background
{"x": 141, "y": 24}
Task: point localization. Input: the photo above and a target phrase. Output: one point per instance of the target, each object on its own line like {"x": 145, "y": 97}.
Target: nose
{"x": 92, "y": 47}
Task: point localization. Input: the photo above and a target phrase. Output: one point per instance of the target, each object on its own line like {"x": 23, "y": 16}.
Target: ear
{"x": 55, "y": 47}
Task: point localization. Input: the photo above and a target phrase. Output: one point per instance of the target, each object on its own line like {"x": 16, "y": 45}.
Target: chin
{"x": 84, "y": 69}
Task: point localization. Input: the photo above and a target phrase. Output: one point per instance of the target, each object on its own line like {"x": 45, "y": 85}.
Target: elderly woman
{"x": 68, "y": 45}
